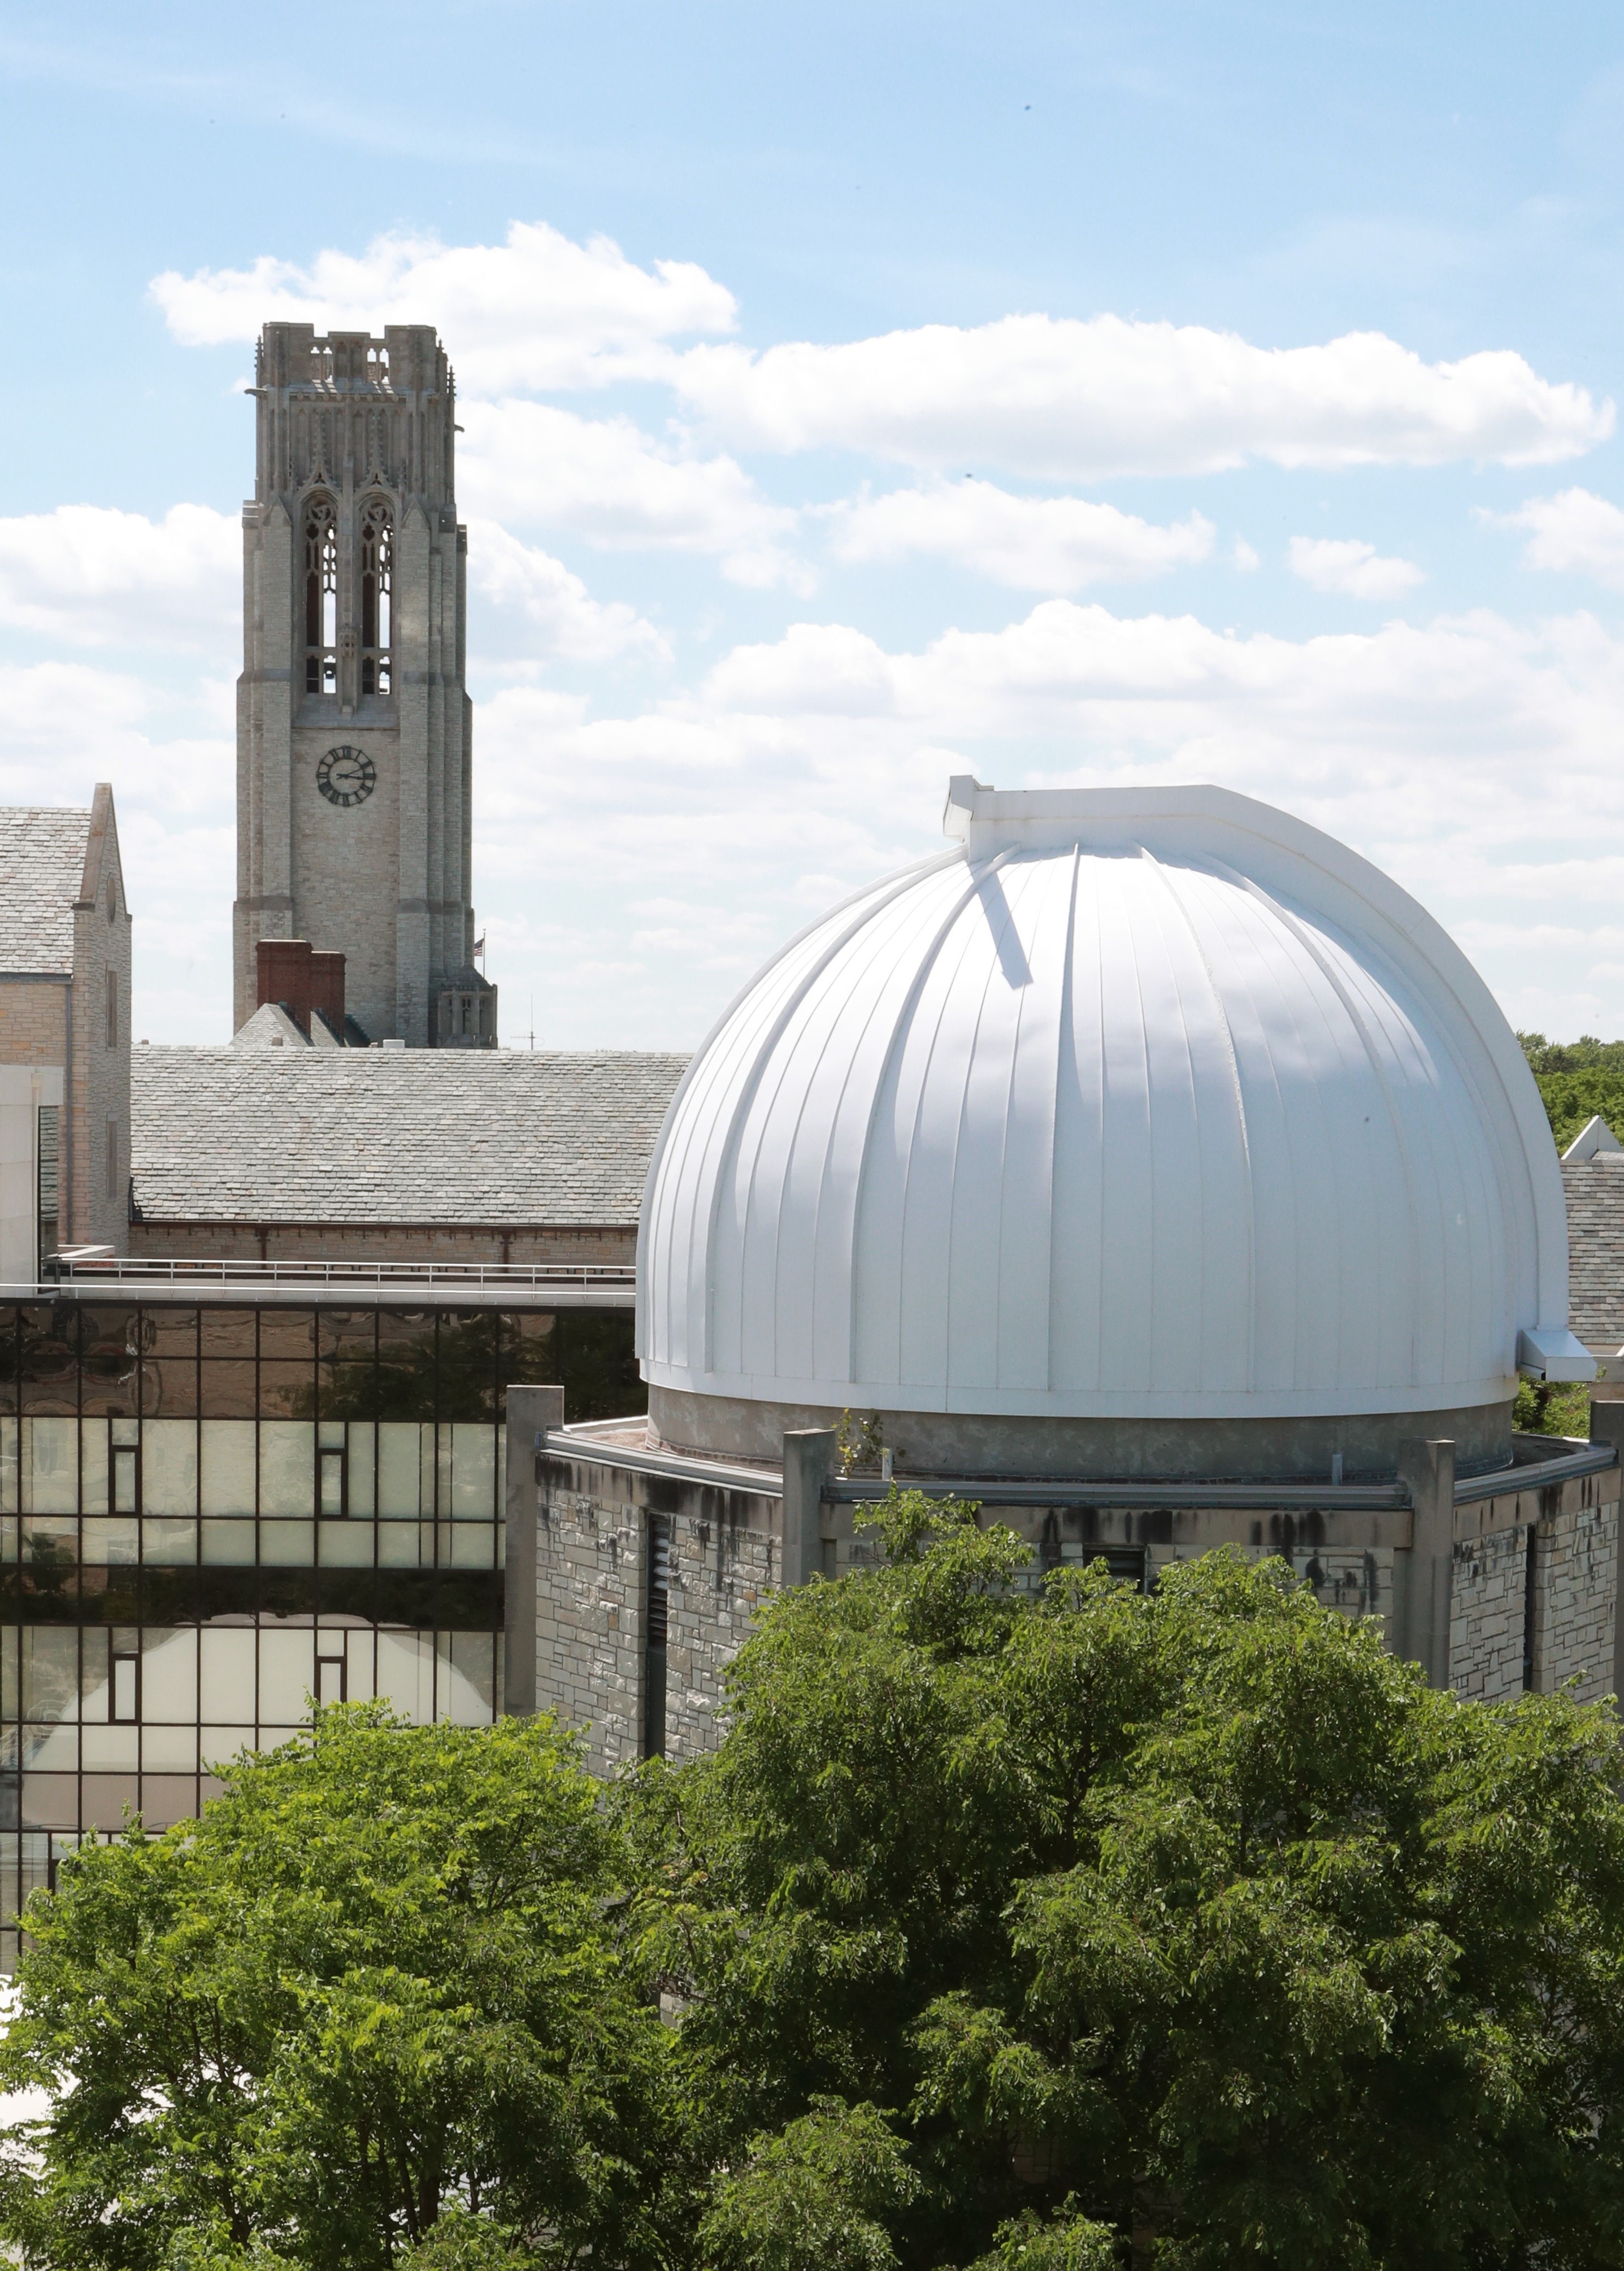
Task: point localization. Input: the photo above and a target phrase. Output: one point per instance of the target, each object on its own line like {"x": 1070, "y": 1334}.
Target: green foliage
{"x": 814, "y": 2197}
{"x": 1191, "y": 1924}
{"x": 374, "y": 1981}
{"x": 1020, "y": 1923}
{"x": 1547, "y": 1407}
{"x": 1576, "y": 1080}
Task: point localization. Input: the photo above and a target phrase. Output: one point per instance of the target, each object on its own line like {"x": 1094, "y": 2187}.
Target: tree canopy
{"x": 1022, "y": 1924}
{"x": 1576, "y": 1080}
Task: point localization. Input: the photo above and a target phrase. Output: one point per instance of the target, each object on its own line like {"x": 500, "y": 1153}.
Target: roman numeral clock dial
{"x": 346, "y": 775}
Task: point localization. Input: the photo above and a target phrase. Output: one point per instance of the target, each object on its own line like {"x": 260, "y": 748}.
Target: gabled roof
{"x": 491, "y": 1136}
{"x": 42, "y": 869}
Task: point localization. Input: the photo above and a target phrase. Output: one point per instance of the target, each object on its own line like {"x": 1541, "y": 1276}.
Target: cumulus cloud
{"x": 539, "y": 310}
{"x": 1574, "y": 531}
{"x": 89, "y": 576}
{"x": 606, "y": 481}
{"x": 1034, "y": 544}
{"x": 1064, "y": 399}
{"x": 1356, "y": 569}
{"x": 573, "y": 624}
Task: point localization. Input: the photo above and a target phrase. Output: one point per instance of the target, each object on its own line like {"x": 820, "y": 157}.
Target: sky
{"x": 852, "y": 395}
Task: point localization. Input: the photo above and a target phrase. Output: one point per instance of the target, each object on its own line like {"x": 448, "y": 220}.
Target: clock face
{"x": 346, "y": 775}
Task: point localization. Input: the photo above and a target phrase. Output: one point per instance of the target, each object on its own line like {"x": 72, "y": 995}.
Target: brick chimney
{"x": 291, "y": 971}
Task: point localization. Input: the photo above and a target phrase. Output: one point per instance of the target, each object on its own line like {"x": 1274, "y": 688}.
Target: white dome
{"x": 1136, "y": 1103}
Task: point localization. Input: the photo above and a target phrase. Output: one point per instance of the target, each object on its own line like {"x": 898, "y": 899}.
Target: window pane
{"x": 168, "y": 1750}
{"x": 111, "y": 1371}
{"x": 405, "y": 1673}
{"x": 228, "y": 1332}
{"x": 287, "y": 1545}
{"x": 227, "y": 1391}
{"x": 227, "y": 1545}
{"x": 126, "y": 1687}
{"x": 287, "y": 1466}
{"x": 107, "y": 1749}
{"x": 346, "y": 1544}
{"x": 526, "y": 1354}
{"x": 466, "y": 1678}
{"x": 167, "y": 1331}
{"x": 111, "y": 1541}
{"x": 401, "y": 1448}
{"x": 48, "y": 1474}
{"x": 473, "y": 1472}
{"x": 227, "y": 1466}
{"x": 169, "y": 1387}
{"x": 227, "y": 1673}
{"x": 406, "y": 1365}
{"x": 170, "y": 1674}
{"x": 50, "y": 1539}
{"x": 51, "y": 1662}
{"x": 362, "y": 1444}
{"x": 286, "y": 1333}
{"x": 126, "y": 1480}
{"x": 287, "y": 1390}
{"x": 168, "y": 1466}
{"x": 169, "y": 1540}
{"x": 49, "y": 1362}
{"x": 11, "y": 1452}
{"x": 94, "y": 1465}
{"x": 468, "y": 1364}
{"x": 286, "y": 1674}
{"x": 331, "y": 1479}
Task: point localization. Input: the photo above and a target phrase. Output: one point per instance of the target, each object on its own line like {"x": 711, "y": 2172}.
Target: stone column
{"x": 531, "y": 1411}
{"x": 1423, "y": 1578}
{"x": 808, "y": 1459}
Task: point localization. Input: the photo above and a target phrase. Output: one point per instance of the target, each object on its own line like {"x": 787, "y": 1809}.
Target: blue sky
{"x": 853, "y": 395}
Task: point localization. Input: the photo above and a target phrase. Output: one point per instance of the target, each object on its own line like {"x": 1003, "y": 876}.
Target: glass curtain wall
{"x": 209, "y": 1516}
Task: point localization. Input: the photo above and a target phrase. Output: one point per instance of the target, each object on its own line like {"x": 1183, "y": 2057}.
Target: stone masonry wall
{"x": 720, "y": 1574}
{"x": 591, "y": 1590}
{"x": 1487, "y": 1613}
{"x": 1575, "y": 1576}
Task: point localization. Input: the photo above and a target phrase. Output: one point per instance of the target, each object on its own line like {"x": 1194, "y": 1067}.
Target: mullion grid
{"x": 38, "y": 1851}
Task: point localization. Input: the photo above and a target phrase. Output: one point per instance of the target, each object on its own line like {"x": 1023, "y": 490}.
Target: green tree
{"x": 1191, "y": 1924}
{"x": 1576, "y": 1080}
{"x": 374, "y": 1986}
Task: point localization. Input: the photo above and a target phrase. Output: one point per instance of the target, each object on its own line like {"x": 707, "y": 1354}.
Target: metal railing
{"x": 177, "y": 1271}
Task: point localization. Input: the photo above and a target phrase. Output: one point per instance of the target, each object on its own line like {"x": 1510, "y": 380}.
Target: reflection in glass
{"x": 168, "y": 1466}
{"x": 287, "y": 1466}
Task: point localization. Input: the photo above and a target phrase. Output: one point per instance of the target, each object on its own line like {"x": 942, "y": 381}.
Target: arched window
{"x": 321, "y": 596}
{"x": 378, "y": 564}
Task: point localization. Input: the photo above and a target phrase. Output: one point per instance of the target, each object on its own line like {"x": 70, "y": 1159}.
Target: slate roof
{"x": 42, "y": 867}
{"x": 488, "y": 1137}
{"x": 1595, "y": 1189}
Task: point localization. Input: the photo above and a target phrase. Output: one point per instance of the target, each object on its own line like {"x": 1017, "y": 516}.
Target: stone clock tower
{"x": 353, "y": 728}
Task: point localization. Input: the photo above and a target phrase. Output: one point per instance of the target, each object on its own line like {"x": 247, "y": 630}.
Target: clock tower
{"x": 354, "y": 727}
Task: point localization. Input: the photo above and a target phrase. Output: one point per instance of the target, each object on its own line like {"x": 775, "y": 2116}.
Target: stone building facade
{"x": 65, "y": 1035}
{"x": 354, "y": 729}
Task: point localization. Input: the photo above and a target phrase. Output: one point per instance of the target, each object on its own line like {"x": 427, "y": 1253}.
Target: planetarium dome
{"x": 1143, "y": 1132}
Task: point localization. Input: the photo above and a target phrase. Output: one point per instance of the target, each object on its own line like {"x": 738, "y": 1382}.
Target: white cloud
{"x": 1245, "y": 556}
{"x": 1069, "y": 400}
{"x": 1036, "y": 544}
{"x": 91, "y": 575}
{"x": 608, "y": 482}
{"x": 575, "y": 626}
{"x": 538, "y": 311}
{"x": 1573, "y": 531}
{"x": 1356, "y": 569}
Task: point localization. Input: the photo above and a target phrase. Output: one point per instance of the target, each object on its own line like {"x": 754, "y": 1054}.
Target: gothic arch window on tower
{"x": 321, "y": 596}
{"x": 377, "y": 562}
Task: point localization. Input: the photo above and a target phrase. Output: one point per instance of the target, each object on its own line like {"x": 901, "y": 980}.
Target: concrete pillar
{"x": 808, "y": 1459}
{"x": 1423, "y": 1578}
{"x": 1607, "y": 1427}
{"x": 530, "y": 1413}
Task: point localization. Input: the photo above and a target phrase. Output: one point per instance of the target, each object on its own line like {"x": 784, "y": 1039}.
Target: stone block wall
{"x": 1575, "y": 1577}
{"x": 591, "y": 1586}
{"x": 1488, "y": 1614}
{"x": 614, "y": 1246}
